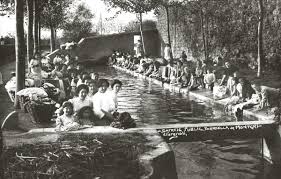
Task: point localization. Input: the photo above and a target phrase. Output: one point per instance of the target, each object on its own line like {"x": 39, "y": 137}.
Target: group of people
{"x": 181, "y": 71}
{"x": 84, "y": 99}
{"x": 220, "y": 77}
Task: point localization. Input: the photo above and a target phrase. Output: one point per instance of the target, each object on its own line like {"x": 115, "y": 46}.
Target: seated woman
{"x": 167, "y": 72}
{"x": 232, "y": 86}
{"x": 101, "y": 106}
{"x": 36, "y": 73}
{"x": 93, "y": 88}
{"x": 82, "y": 77}
{"x": 142, "y": 66}
{"x": 244, "y": 89}
{"x": 155, "y": 73}
{"x": 268, "y": 97}
{"x": 173, "y": 74}
{"x": 56, "y": 74}
{"x": 179, "y": 71}
{"x": 184, "y": 81}
{"x": 67, "y": 121}
{"x": 86, "y": 116}
{"x": 200, "y": 71}
{"x": 82, "y": 98}
{"x": 116, "y": 86}
{"x": 193, "y": 83}
{"x": 210, "y": 79}
{"x": 64, "y": 71}
{"x": 241, "y": 99}
{"x": 149, "y": 70}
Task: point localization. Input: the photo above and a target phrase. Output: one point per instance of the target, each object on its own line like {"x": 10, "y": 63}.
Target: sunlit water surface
{"x": 150, "y": 104}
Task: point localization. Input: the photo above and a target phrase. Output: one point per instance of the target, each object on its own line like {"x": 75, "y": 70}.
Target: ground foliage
{"x": 78, "y": 155}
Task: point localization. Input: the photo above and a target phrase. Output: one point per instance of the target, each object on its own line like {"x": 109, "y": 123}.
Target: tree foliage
{"x": 134, "y": 26}
{"x": 54, "y": 13}
{"x": 79, "y": 25}
{"x": 133, "y": 6}
{"x": 230, "y": 27}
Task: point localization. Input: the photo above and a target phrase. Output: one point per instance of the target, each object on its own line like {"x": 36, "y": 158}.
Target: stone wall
{"x": 97, "y": 48}
{"x": 7, "y": 53}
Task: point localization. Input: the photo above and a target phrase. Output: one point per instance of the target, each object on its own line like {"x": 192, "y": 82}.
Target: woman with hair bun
{"x": 82, "y": 98}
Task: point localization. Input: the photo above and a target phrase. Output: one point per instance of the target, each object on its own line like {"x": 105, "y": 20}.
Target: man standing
{"x": 139, "y": 49}
{"x": 2, "y": 42}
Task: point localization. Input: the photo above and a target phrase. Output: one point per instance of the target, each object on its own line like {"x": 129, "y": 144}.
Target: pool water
{"x": 150, "y": 104}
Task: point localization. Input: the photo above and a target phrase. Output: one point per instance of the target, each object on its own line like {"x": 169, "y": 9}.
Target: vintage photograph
{"x": 140, "y": 89}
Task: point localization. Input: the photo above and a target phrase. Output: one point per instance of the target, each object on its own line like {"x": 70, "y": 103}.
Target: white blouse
{"x": 78, "y": 103}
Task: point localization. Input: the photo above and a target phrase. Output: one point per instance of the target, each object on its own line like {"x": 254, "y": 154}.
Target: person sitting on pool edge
{"x": 86, "y": 116}
{"x": 82, "y": 98}
{"x": 101, "y": 106}
{"x": 67, "y": 121}
{"x": 116, "y": 86}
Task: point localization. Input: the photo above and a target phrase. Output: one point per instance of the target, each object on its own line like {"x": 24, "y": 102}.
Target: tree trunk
{"x": 29, "y": 43}
{"x": 175, "y": 38}
{"x": 52, "y": 39}
{"x": 39, "y": 29}
{"x": 260, "y": 40}
{"x": 168, "y": 23}
{"x": 207, "y": 37}
{"x": 141, "y": 31}
{"x": 35, "y": 25}
{"x": 19, "y": 48}
{"x": 203, "y": 33}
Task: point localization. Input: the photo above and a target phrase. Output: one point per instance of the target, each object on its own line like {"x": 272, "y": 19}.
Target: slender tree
{"x": 29, "y": 43}
{"x": 19, "y": 47}
{"x": 260, "y": 39}
{"x": 54, "y": 15}
{"x": 35, "y": 25}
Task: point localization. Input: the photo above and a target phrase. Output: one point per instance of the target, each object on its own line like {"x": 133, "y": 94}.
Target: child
{"x": 66, "y": 122}
{"x": 86, "y": 116}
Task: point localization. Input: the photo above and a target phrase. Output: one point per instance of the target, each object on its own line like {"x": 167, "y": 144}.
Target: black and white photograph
{"x": 140, "y": 89}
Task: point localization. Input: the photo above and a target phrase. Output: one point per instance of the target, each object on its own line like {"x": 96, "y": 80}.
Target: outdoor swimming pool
{"x": 150, "y": 104}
